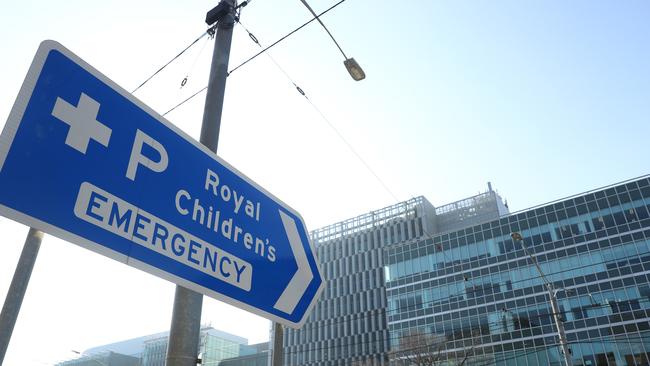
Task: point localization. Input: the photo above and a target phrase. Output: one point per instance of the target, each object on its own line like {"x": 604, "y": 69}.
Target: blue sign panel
{"x": 82, "y": 159}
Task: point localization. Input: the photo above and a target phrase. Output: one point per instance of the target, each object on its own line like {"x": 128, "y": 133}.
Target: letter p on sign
{"x": 137, "y": 158}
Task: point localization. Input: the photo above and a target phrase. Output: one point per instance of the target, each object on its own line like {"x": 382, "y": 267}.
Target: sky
{"x": 545, "y": 99}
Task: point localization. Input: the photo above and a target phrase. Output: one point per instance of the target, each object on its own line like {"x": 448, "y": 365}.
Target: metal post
{"x": 552, "y": 293}
{"x": 185, "y": 329}
{"x": 17, "y": 289}
{"x": 278, "y": 343}
{"x": 555, "y": 308}
{"x": 186, "y": 316}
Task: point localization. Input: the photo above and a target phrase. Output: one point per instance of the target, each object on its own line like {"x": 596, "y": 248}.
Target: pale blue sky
{"x": 543, "y": 98}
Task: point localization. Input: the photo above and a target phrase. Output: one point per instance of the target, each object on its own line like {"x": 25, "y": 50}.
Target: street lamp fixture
{"x": 350, "y": 63}
{"x": 354, "y": 69}
{"x": 516, "y": 236}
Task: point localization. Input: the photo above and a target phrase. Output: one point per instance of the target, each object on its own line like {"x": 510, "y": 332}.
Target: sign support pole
{"x": 18, "y": 287}
{"x": 278, "y": 344}
{"x": 186, "y": 315}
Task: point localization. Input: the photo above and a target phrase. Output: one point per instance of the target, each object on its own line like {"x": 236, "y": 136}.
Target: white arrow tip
{"x": 303, "y": 276}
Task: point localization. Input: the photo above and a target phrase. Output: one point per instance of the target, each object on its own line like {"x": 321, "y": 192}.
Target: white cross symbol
{"x": 83, "y": 123}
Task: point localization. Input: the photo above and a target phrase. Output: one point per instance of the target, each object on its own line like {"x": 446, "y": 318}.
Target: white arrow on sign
{"x": 303, "y": 276}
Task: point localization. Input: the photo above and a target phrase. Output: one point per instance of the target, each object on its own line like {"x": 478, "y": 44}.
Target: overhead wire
{"x": 320, "y": 113}
{"x": 191, "y": 69}
{"x": 259, "y": 53}
{"x": 186, "y": 100}
{"x": 205, "y": 33}
{"x": 300, "y": 90}
{"x": 324, "y": 27}
{"x": 277, "y": 65}
{"x": 285, "y": 37}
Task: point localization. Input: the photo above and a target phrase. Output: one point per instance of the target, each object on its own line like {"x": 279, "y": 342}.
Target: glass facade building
{"x": 214, "y": 346}
{"x": 151, "y": 350}
{"x": 252, "y": 355}
{"x": 472, "y": 295}
{"x": 104, "y": 358}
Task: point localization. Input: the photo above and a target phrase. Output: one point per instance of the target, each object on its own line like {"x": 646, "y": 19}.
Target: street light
{"x": 350, "y": 63}
{"x": 552, "y": 293}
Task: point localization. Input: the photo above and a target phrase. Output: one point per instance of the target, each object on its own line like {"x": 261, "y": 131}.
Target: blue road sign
{"x": 82, "y": 159}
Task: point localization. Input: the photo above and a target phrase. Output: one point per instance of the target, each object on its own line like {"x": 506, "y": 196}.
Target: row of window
{"x": 634, "y": 351}
{"x": 344, "y": 324}
{"x": 628, "y": 339}
{"x": 438, "y": 260}
{"x": 580, "y": 287}
{"x": 344, "y": 347}
{"x": 567, "y": 266}
{"x": 520, "y": 222}
{"x": 534, "y": 311}
{"x": 400, "y": 230}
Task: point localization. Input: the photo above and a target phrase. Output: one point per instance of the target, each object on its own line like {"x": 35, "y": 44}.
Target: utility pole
{"x": 186, "y": 316}
{"x": 18, "y": 287}
{"x": 555, "y": 308}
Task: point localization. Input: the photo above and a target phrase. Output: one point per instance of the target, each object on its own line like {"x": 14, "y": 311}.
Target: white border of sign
{"x": 9, "y": 132}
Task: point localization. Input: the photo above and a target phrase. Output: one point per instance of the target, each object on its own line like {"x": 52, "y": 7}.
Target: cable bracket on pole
{"x": 212, "y": 31}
